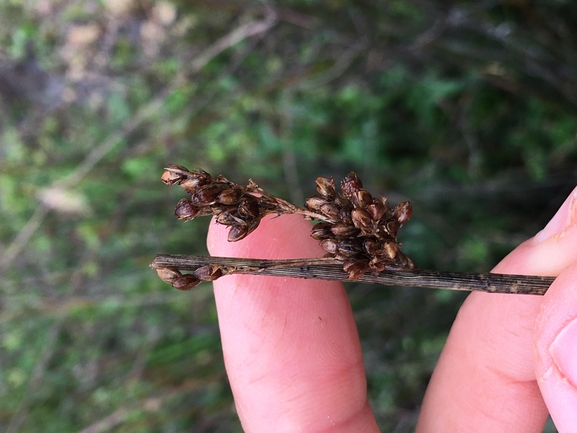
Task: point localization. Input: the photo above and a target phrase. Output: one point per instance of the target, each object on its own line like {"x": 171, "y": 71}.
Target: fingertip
{"x": 556, "y": 350}
{"x": 276, "y": 237}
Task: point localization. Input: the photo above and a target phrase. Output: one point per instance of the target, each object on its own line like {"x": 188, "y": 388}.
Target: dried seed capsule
{"x": 348, "y": 248}
{"x": 186, "y": 282}
{"x": 185, "y": 210}
{"x": 361, "y": 218}
{"x": 326, "y": 187}
{"x": 168, "y": 275}
{"x": 229, "y": 196}
{"x": 248, "y": 208}
{"x": 402, "y": 212}
{"x": 363, "y": 198}
{"x": 343, "y": 230}
{"x": 390, "y": 249}
{"x": 392, "y": 227}
{"x": 208, "y": 272}
{"x": 196, "y": 179}
{"x": 345, "y": 214}
{"x": 315, "y": 202}
{"x": 330, "y": 210}
{"x": 404, "y": 261}
{"x": 174, "y": 174}
{"x": 376, "y": 210}
{"x": 321, "y": 231}
{"x": 228, "y": 219}
{"x": 207, "y": 194}
{"x": 350, "y": 185}
{"x": 355, "y": 267}
{"x": 377, "y": 265}
{"x": 370, "y": 246}
{"x": 329, "y": 245}
{"x": 238, "y": 232}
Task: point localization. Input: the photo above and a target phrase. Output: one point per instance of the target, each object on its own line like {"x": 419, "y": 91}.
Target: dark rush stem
{"x": 330, "y": 269}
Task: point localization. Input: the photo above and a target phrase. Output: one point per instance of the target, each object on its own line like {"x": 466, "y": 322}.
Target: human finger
{"x": 485, "y": 378}
{"x": 290, "y": 346}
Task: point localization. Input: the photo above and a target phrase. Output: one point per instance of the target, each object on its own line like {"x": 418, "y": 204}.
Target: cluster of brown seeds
{"x": 360, "y": 230}
{"x": 239, "y": 207}
{"x": 182, "y": 281}
{"x": 355, "y": 228}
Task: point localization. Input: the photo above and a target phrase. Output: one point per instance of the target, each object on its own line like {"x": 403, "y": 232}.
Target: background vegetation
{"x": 467, "y": 108}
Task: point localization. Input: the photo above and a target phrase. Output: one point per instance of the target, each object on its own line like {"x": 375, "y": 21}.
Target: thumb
{"x": 556, "y": 350}
{"x": 555, "y": 331}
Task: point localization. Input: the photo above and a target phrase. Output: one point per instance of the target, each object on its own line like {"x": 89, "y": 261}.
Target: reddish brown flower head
{"x": 350, "y": 185}
{"x": 174, "y": 174}
{"x": 403, "y": 212}
{"x": 326, "y": 187}
{"x": 208, "y": 272}
{"x": 185, "y": 210}
{"x": 186, "y": 282}
{"x": 356, "y": 228}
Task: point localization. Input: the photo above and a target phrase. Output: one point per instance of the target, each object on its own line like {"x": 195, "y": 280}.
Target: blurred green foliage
{"x": 467, "y": 109}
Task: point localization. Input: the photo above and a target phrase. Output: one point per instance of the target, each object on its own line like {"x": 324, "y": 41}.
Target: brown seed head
{"x": 329, "y": 245}
{"x": 377, "y": 265}
{"x": 330, "y": 210}
{"x": 195, "y": 180}
{"x": 229, "y": 196}
{"x": 248, "y": 208}
{"x": 348, "y": 248}
{"x": 174, "y": 174}
{"x": 228, "y": 219}
{"x": 186, "y": 282}
{"x": 326, "y": 187}
{"x": 361, "y": 218}
{"x": 363, "y": 198}
{"x": 403, "y": 212}
{"x": 185, "y": 210}
{"x": 370, "y": 246}
{"x": 208, "y": 272}
{"x": 392, "y": 228}
{"x": 315, "y": 202}
{"x": 355, "y": 267}
{"x": 390, "y": 249}
{"x": 321, "y": 231}
{"x": 236, "y": 233}
{"x": 345, "y": 213}
{"x": 207, "y": 194}
{"x": 168, "y": 275}
{"x": 351, "y": 185}
{"x": 376, "y": 209}
{"x": 343, "y": 230}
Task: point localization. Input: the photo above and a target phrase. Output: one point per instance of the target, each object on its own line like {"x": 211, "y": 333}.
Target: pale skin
{"x": 294, "y": 361}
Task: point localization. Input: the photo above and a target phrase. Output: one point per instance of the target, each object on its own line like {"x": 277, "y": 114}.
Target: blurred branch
{"x": 37, "y": 376}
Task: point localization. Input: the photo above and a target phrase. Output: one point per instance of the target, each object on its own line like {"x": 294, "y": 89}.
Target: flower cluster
{"x": 182, "y": 281}
{"x": 359, "y": 229}
{"x": 241, "y": 208}
{"x": 354, "y": 227}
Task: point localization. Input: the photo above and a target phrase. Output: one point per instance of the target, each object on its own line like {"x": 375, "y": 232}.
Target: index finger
{"x": 291, "y": 348}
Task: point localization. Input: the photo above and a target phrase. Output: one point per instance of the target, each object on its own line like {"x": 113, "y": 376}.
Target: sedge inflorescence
{"x": 353, "y": 227}
{"x": 361, "y": 230}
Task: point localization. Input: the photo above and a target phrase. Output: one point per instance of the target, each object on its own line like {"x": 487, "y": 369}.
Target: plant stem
{"x": 331, "y": 269}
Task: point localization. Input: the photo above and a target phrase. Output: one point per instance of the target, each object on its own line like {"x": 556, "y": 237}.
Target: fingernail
{"x": 563, "y": 350}
{"x": 564, "y": 217}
